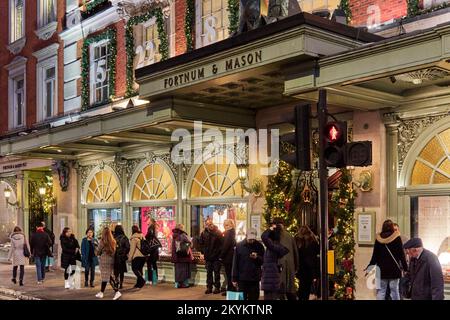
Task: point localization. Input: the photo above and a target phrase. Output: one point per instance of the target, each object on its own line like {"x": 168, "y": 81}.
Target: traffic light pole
{"x": 323, "y": 195}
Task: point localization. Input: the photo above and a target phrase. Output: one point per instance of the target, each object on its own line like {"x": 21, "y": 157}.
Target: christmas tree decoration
{"x": 108, "y": 34}
{"x": 233, "y": 15}
{"x": 345, "y": 6}
{"x": 189, "y": 21}
{"x": 343, "y": 208}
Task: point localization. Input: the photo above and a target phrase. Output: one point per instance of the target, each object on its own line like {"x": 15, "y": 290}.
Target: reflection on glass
{"x": 100, "y": 218}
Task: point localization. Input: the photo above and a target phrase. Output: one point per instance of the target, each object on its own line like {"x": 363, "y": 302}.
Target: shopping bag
{"x": 154, "y": 278}
{"x": 77, "y": 275}
{"x": 49, "y": 261}
{"x": 235, "y": 295}
{"x": 373, "y": 277}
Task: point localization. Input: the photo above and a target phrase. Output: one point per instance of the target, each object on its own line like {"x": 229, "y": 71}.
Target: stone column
{"x": 391, "y": 123}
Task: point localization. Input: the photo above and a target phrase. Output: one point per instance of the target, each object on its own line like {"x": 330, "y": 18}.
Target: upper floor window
{"x": 212, "y": 21}
{"x": 46, "y": 12}
{"x": 49, "y": 91}
{"x": 147, "y": 49}
{"x": 17, "y": 19}
{"x": 315, "y": 5}
{"x": 99, "y": 74}
{"x": 18, "y": 102}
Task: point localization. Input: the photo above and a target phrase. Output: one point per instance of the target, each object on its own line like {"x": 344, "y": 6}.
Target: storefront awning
{"x": 135, "y": 129}
{"x": 405, "y": 72}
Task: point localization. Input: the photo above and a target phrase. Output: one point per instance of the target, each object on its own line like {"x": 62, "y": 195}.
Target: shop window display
{"x": 165, "y": 221}
{"x": 99, "y": 218}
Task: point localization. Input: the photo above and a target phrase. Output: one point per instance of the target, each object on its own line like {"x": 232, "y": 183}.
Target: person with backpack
{"x": 18, "y": 253}
{"x": 137, "y": 255}
{"x": 120, "y": 255}
{"x": 181, "y": 256}
{"x": 153, "y": 257}
{"x": 389, "y": 256}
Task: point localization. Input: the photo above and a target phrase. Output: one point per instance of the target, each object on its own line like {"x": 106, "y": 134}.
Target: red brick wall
{"x": 121, "y": 60}
{"x": 180, "y": 38}
{"x": 363, "y": 14}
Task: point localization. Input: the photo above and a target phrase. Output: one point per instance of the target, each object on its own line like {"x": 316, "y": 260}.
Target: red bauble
{"x": 348, "y": 291}
{"x": 347, "y": 264}
{"x": 287, "y": 205}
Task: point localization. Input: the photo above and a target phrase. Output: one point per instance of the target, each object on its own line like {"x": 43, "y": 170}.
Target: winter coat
{"x": 154, "y": 255}
{"x": 180, "y": 235}
{"x": 271, "y": 275}
{"x": 16, "y": 251}
{"x": 40, "y": 243}
{"x": 381, "y": 257}
{"x": 121, "y": 255}
{"x": 289, "y": 263}
{"x": 135, "y": 246}
{"x": 106, "y": 262}
{"x": 244, "y": 267}
{"x": 69, "y": 246}
{"x": 211, "y": 243}
{"x": 229, "y": 243}
{"x": 86, "y": 245}
{"x": 309, "y": 261}
{"x": 427, "y": 280}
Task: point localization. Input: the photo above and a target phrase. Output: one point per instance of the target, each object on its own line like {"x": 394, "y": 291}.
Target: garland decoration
{"x": 345, "y": 6}
{"x": 108, "y": 34}
{"x": 189, "y": 24}
{"x": 413, "y": 7}
{"x": 233, "y": 15}
{"x": 343, "y": 241}
{"x": 93, "y": 4}
{"x": 129, "y": 44}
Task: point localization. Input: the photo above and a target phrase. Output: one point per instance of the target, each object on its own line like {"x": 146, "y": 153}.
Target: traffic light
{"x": 300, "y": 138}
{"x": 335, "y": 143}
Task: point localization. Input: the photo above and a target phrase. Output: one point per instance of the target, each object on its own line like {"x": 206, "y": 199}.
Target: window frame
{"x": 13, "y": 37}
{"x": 150, "y": 23}
{"x": 200, "y": 36}
{"x": 43, "y": 14}
{"x": 92, "y": 59}
{"x": 41, "y": 88}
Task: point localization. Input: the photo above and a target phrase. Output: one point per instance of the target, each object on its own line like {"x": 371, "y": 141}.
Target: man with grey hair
{"x": 425, "y": 271}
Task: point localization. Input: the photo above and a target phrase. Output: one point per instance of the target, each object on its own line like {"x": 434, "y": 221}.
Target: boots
{"x": 21, "y": 283}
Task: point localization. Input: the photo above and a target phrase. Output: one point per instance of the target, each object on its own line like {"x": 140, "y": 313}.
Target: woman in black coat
{"x": 308, "y": 255}
{"x": 121, "y": 255}
{"x": 152, "y": 259}
{"x": 70, "y": 249}
{"x": 226, "y": 256}
{"x": 271, "y": 272}
{"x": 389, "y": 256}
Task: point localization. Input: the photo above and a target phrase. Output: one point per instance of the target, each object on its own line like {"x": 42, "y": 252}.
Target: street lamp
{"x": 7, "y": 193}
{"x": 242, "y": 175}
{"x": 42, "y": 191}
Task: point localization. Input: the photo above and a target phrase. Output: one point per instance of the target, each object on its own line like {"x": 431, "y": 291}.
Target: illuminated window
{"x": 433, "y": 163}
{"x": 153, "y": 183}
{"x": 212, "y": 21}
{"x": 313, "y": 5}
{"x": 216, "y": 179}
{"x": 17, "y": 19}
{"x": 99, "y": 56}
{"x": 104, "y": 188}
{"x": 46, "y": 12}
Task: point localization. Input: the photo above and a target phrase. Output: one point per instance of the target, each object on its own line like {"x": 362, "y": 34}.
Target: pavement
{"x": 53, "y": 289}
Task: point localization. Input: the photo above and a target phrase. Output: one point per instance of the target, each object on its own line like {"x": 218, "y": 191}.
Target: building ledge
{"x": 17, "y": 45}
{"x": 47, "y": 31}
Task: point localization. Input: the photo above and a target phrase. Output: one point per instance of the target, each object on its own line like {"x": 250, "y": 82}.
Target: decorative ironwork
{"x": 128, "y": 9}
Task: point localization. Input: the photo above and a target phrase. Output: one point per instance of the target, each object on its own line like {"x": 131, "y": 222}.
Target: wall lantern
{"x": 7, "y": 193}
{"x": 42, "y": 191}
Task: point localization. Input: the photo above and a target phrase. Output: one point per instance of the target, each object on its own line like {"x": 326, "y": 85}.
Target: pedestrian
{"x": 211, "y": 241}
{"x": 246, "y": 269}
{"x": 106, "y": 251}
{"x": 308, "y": 255}
{"x": 389, "y": 256}
{"x": 136, "y": 257}
{"x": 182, "y": 256}
{"x": 89, "y": 260}
{"x": 272, "y": 268}
{"x": 70, "y": 249}
{"x": 153, "y": 257}
{"x": 19, "y": 253}
{"x": 120, "y": 255}
{"x": 425, "y": 272}
{"x": 49, "y": 259}
{"x": 226, "y": 256}
{"x": 40, "y": 243}
{"x": 289, "y": 263}
{"x": 404, "y": 281}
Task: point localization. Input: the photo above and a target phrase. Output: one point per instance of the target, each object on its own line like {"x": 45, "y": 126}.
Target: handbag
{"x": 26, "y": 251}
{"x": 78, "y": 256}
{"x": 235, "y": 295}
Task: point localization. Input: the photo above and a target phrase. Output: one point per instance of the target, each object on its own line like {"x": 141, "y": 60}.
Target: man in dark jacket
{"x": 211, "y": 241}
{"x": 40, "y": 244}
{"x": 247, "y": 262}
{"x": 425, "y": 271}
{"x": 52, "y": 238}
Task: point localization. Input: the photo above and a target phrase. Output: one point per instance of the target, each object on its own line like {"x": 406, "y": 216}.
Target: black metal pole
{"x": 323, "y": 194}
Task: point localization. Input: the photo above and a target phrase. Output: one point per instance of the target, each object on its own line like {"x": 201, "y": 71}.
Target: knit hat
{"x": 413, "y": 243}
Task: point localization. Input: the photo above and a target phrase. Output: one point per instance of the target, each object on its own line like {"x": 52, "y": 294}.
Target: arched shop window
{"x": 215, "y": 193}
{"x": 103, "y": 199}
{"x": 153, "y": 195}
{"x": 8, "y": 215}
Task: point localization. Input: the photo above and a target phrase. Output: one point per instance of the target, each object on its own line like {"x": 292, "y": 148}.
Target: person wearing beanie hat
{"x": 425, "y": 272}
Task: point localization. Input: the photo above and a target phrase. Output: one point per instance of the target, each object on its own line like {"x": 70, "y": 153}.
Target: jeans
{"x": 22, "y": 271}
{"x": 137, "y": 265}
{"x": 40, "y": 267}
{"x": 250, "y": 289}
{"x": 89, "y": 269}
{"x": 393, "y": 287}
{"x": 213, "y": 267}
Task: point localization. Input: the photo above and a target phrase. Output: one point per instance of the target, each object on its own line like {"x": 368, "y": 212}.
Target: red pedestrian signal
{"x": 336, "y": 138}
